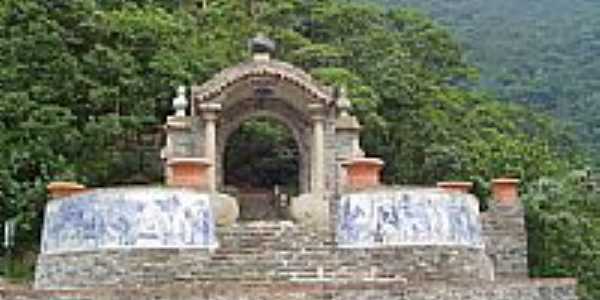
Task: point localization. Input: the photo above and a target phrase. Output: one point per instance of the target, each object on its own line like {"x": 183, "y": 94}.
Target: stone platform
{"x": 393, "y": 243}
{"x": 263, "y": 252}
{"x": 552, "y": 289}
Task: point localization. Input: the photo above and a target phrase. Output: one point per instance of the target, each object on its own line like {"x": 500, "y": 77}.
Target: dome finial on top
{"x": 180, "y": 102}
{"x": 343, "y": 103}
{"x": 261, "y": 47}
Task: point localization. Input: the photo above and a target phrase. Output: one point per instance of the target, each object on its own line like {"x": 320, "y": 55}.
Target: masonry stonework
{"x": 506, "y": 240}
{"x": 522, "y": 290}
{"x": 266, "y": 252}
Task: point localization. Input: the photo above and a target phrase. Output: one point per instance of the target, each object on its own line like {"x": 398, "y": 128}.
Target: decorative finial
{"x": 343, "y": 103}
{"x": 261, "y": 47}
{"x": 180, "y": 102}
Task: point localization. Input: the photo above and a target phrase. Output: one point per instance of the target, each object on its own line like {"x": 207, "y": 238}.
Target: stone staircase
{"x": 269, "y": 251}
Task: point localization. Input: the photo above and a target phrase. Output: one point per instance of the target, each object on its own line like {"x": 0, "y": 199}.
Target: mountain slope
{"x": 540, "y": 52}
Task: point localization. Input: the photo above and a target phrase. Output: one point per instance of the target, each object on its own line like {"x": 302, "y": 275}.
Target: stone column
{"x": 318, "y": 150}
{"x": 209, "y": 114}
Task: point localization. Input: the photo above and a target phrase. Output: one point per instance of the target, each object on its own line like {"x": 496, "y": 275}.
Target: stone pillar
{"x": 318, "y": 150}
{"x": 347, "y": 129}
{"x": 178, "y": 142}
{"x": 209, "y": 114}
{"x": 178, "y": 130}
{"x": 505, "y": 228}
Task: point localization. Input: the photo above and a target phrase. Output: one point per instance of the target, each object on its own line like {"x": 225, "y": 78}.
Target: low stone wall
{"x": 506, "y": 290}
{"x": 263, "y": 252}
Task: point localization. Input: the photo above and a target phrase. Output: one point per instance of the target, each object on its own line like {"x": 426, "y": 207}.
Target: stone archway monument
{"x": 327, "y": 136}
{"x": 380, "y": 240}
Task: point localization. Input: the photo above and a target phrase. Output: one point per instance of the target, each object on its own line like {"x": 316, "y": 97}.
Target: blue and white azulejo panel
{"x": 129, "y": 218}
{"x": 408, "y": 217}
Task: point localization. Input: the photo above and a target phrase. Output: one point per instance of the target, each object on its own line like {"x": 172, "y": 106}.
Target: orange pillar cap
{"x": 188, "y": 172}
{"x": 363, "y": 173}
{"x": 505, "y": 191}
{"x": 61, "y": 189}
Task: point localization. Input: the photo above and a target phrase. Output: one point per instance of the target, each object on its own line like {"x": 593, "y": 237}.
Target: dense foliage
{"x": 564, "y": 222}
{"x": 79, "y": 76}
{"x": 539, "y": 52}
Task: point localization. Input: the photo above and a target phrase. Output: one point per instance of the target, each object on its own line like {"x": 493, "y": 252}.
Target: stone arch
{"x": 234, "y": 121}
{"x": 263, "y": 87}
{"x": 274, "y": 89}
{"x": 282, "y": 72}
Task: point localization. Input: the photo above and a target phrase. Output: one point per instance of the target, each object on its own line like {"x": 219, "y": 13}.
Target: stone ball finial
{"x": 261, "y": 44}
{"x": 180, "y": 102}
{"x": 181, "y": 91}
{"x": 343, "y": 103}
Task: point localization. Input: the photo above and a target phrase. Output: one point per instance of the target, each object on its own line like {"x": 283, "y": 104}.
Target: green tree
{"x": 563, "y": 221}
{"x": 78, "y": 78}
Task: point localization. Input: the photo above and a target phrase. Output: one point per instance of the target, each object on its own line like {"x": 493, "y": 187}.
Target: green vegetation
{"x": 79, "y": 76}
{"x": 542, "y": 53}
{"x": 564, "y": 217}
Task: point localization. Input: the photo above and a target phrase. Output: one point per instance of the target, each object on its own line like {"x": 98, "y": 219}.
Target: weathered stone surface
{"x": 311, "y": 211}
{"x": 367, "y": 290}
{"x": 225, "y": 209}
{"x": 506, "y": 239}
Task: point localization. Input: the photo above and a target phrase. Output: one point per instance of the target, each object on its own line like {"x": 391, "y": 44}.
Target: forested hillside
{"x": 78, "y": 76}
{"x": 540, "y": 52}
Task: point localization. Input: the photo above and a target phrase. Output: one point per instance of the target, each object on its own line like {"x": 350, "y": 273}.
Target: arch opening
{"x": 262, "y": 167}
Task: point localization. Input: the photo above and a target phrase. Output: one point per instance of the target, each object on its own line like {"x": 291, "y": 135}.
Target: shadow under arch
{"x": 294, "y": 122}
{"x": 261, "y": 166}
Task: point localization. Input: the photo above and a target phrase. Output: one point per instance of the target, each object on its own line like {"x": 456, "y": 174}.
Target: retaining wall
{"x": 262, "y": 252}
{"x": 504, "y": 290}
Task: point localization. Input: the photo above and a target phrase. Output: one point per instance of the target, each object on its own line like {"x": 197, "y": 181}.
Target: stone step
{"x": 310, "y": 288}
{"x": 267, "y": 246}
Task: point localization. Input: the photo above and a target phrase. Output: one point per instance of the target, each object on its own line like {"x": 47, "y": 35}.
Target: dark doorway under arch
{"x": 261, "y": 167}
